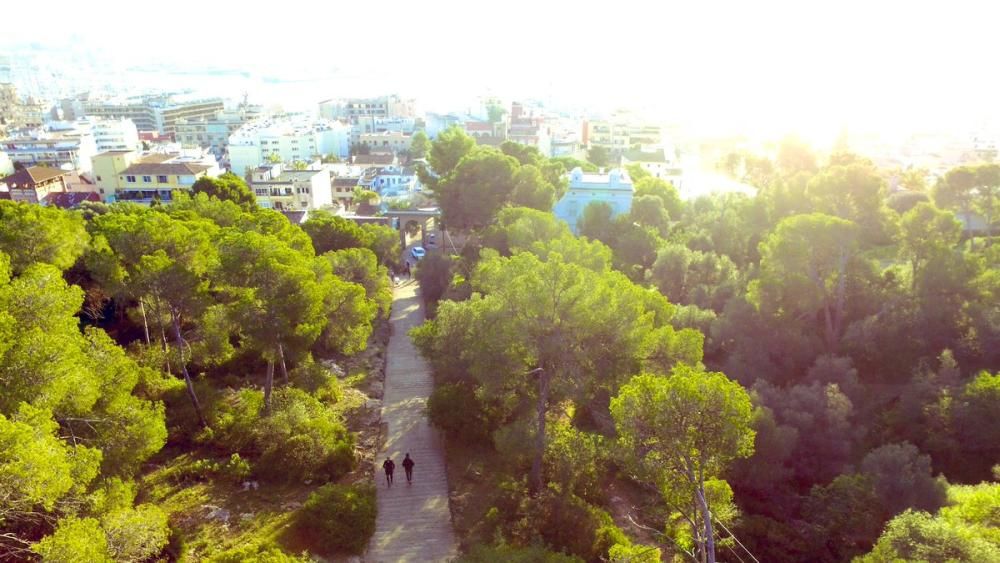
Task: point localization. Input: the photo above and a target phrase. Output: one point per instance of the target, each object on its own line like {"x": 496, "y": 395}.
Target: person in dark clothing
{"x": 408, "y": 275}
{"x": 389, "y": 467}
{"x": 408, "y": 466}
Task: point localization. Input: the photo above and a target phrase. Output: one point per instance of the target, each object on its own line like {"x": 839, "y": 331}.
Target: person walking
{"x": 408, "y": 275}
{"x": 408, "y": 466}
{"x": 389, "y": 467}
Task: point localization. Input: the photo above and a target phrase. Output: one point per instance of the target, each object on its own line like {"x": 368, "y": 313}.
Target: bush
{"x": 339, "y": 518}
{"x": 303, "y": 439}
{"x": 257, "y": 553}
{"x": 136, "y": 534}
{"x": 567, "y": 523}
{"x": 455, "y": 409}
{"x": 75, "y": 539}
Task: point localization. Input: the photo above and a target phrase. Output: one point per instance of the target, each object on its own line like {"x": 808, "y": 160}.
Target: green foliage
{"x": 662, "y": 190}
{"x": 917, "y": 536}
{"x": 384, "y": 243}
{"x": 480, "y": 184}
{"x": 75, "y": 540}
{"x": 599, "y": 156}
{"x": 691, "y": 277}
{"x": 37, "y": 468}
{"x": 360, "y": 266}
{"x": 136, "y": 534}
{"x": 455, "y": 409}
{"x": 447, "y": 150}
{"x": 34, "y": 233}
{"x": 531, "y": 189}
{"x": 419, "y": 145}
{"x": 302, "y": 439}
{"x": 569, "y": 163}
{"x": 901, "y": 479}
{"x": 575, "y": 461}
{"x": 434, "y": 272}
{"x": 227, "y": 187}
{"x": 339, "y": 518}
{"x": 330, "y": 232}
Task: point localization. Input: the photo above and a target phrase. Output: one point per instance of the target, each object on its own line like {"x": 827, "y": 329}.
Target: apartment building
{"x": 34, "y": 183}
{"x": 292, "y": 190}
{"x": 145, "y": 178}
{"x": 70, "y": 149}
{"x": 154, "y": 113}
{"x": 115, "y": 135}
{"x": 620, "y": 133}
{"x": 286, "y": 139}
{"x": 386, "y": 141}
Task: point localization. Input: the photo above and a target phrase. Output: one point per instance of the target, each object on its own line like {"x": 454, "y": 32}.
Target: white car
{"x": 418, "y": 252}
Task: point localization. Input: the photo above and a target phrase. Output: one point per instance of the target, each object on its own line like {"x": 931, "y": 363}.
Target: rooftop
{"x": 32, "y": 175}
{"x": 165, "y": 168}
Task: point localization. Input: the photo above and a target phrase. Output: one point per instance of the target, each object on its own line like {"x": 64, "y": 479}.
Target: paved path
{"x": 414, "y": 523}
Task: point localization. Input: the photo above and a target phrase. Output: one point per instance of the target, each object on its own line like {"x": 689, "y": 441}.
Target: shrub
{"x": 136, "y": 534}
{"x": 257, "y": 553}
{"x": 455, "y": 409}
{"x": 75, "y": 539}
{"x": 568, "y": 524}
{"x": 339, "y": 518}
{"x": 303, "y": 439}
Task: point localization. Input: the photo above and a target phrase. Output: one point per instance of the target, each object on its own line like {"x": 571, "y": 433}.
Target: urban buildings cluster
{"x": 145, "y": 148}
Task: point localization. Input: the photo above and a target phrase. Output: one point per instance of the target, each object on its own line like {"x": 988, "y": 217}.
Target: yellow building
{"x": 129, "y": 176}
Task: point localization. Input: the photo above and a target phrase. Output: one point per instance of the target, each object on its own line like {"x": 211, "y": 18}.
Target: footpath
{"x": 414, "y": 523}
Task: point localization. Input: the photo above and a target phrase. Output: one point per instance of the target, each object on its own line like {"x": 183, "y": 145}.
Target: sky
{"x": 763, "y": 67}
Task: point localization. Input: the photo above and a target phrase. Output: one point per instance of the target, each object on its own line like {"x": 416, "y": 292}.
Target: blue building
{"x": 614, "y": 188}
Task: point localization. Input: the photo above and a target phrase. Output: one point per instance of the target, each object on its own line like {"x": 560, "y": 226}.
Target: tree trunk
{"x": 145, "y": 323}
{"x": 542, "y": 407}
{"x": 284, "y": 370}
{"x": 707, "y": 517}
{"x": 187, "y": 377}
{"x": 268, "y": 385}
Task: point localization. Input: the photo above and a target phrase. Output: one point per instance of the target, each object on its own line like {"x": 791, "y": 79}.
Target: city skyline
{"x": 764, "y": 69}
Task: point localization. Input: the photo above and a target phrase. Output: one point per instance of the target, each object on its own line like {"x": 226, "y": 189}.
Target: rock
{"x": 246, "y": 516}
{"x": 354, "y": 559}
{"x": 334, "y": 368}
{"x": 220, "y": 514}
{"x": 288, "y": 506}
{"x": 308, "y": 481}
{"x": 373, "y": 404}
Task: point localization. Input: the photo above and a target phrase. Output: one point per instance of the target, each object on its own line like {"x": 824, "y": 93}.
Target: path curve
{"x": 414, "y": 523}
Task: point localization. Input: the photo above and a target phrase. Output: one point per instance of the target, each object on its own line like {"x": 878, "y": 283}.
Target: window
{"x": 147, "y": 179}
{"x": 161, "y": 179}
{"x": 130, "y": 179}
{"x": 98, "y": 178}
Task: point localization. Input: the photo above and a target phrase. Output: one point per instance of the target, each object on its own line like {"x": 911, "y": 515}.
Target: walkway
{"x": 414, "y": 523}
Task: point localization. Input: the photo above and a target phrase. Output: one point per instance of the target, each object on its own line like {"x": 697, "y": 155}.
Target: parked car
{"x": 417, "y": 252}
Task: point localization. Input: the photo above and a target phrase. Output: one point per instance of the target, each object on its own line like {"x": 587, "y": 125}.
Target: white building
{"x": 287, "y": 139}
{"x": 115, "y": 135}
{"x": 658, "y": 162}
{"x": 6, "y": 165}
{"x": 67, "y": 150}
{"x": 292, "y": 190}
{"x": 614, "y": 188}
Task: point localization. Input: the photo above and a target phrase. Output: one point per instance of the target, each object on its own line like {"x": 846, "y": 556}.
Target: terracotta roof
{"x": 69, "y": 200}
{"x": 164, "y": 168}
{"x": 32, "y": 175}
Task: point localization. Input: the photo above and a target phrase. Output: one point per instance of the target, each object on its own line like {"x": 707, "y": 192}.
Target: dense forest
{"x": 148, "y": 353}
{"x": 807, "y": 374}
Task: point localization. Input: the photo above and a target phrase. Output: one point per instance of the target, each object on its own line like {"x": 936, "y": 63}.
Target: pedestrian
{"x": 408, "y": 276}
{"x": 408, "y": 466}
{"x": 389, "y": 467}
